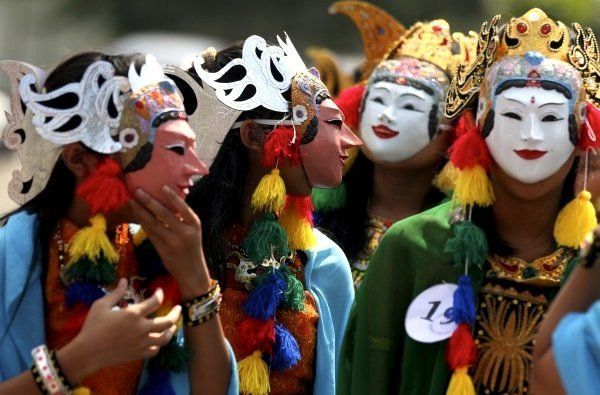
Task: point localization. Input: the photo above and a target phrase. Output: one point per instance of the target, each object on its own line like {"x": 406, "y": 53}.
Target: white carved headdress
{"x": 269, "y": 72}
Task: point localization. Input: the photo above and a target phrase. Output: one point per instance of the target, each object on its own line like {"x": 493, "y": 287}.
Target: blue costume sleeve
{"x": 576, "y": 348}
{"x": 328, "y": 277}
{"x": 21, "y": 300}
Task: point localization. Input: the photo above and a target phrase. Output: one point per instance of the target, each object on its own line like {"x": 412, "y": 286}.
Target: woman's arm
{"x": 580, "y": 291}
{"x": 178, "y": 240}
{"x": 96, "y": 346}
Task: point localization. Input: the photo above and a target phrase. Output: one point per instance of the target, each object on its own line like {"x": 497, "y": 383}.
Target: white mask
{"x": 530, "y": 138}
{"x": 394, "y": 124}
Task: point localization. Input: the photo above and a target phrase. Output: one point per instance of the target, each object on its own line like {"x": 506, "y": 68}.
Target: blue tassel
{"x": 264, "y": 299}
{"x": 463, "y": 310}
{"x": 82, "y": 292}
{"x": 286, "y": 353}
{"x": 158, "y": 384}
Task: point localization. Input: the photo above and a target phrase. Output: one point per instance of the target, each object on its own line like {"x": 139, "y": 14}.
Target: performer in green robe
{"x": 508, "y": 237}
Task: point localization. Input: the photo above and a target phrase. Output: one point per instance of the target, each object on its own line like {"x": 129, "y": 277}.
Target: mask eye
{"x": 378, "y": 99}
{"x": 177, "y": 148}
{"x": 336, "y": 122}
{"x": 512, "y": 115}
{"x": 551, "y": 118}
{"x": 410, "y": 107}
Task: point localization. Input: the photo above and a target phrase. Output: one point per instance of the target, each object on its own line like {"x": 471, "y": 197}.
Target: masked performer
{"x": 398, "y": 113}
{"x": 507, "y": 239}
{"x": 288, "y": 288}
{"x": 89, "y": 135}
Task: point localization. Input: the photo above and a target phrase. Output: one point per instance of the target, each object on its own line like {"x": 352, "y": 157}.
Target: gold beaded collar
{"x": 544, "y": 271}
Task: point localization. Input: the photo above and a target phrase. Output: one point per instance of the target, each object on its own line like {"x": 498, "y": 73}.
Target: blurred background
{"x": 43, "y": 32}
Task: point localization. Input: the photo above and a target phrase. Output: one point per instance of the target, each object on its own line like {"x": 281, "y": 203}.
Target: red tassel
{"x": 465, "y": 124}
{"x": 349, "y": 102}
{"x": 302, "y": 205}
{"x": 469, "y": 149}
{"x": 254, "y": 334}
{"x": 170, "y": 289}
{"x": 279, "y": 146}
{"x": 462, "y": 350}
{"x": 588, "y": 137}
{"x": 104, "y": 190}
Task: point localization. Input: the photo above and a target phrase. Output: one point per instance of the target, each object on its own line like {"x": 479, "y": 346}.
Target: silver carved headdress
{"x": 108, "y": 113}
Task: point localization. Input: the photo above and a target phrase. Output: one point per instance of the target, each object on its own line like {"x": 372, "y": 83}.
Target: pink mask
{"x": 323, "y": 157}
{"x": 172, "y": 162}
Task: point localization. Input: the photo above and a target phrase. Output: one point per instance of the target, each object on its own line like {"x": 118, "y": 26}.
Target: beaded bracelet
{"x": 46, "y": 373}
{"x": 203, "y": 308}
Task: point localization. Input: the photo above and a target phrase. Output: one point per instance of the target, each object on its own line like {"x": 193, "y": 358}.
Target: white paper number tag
{"x": 428, "y": 317}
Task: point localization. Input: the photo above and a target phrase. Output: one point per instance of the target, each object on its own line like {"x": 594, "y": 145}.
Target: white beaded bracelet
{"x": 46, "y": 373}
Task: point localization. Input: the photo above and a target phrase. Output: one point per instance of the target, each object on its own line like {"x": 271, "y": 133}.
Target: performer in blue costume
{"x": 89, "y": 134}
{"x": 566, "y": 354}
{"x": 288, "y": 288}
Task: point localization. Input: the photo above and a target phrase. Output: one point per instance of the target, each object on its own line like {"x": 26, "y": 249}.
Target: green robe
{"x": 377, "y": 355}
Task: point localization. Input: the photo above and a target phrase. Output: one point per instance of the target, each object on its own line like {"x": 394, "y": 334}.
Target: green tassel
{"x": 101, "y": 271}
{"x": 329, "y": 199}
{"x": 266, "y": 238}
{"x": 294, "y": 292}
{"x": 173, "y": 357}
{"x": 469, "y": 242}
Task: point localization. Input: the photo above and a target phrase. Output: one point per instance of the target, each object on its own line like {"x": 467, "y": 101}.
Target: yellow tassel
{"x": 473, "y": 187}
{"x": 139, "y": 237}
{"x": 461, "y": 383}
{"x": 299, "y": 231}
{"x": 575, "y": 220}
{"x": 446, "y": 179}
{"x": 269, "y": 195}
{"x": 254, "y": 375}
{"x": 82, "y": 391}
{"x": 92, "y": 242}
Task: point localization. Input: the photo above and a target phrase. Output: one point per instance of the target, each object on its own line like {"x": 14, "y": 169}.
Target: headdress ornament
{"x": 378, "y": 29}
{"x": 270, "y": 71}
{"x": 532, "y": 47}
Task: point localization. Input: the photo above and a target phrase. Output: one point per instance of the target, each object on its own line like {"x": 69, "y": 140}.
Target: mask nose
{"x": 349, "y": 139}
{"x": 532, "y": 129}
{"x": 194, "y": 166}
{"x": 387, "y": 115}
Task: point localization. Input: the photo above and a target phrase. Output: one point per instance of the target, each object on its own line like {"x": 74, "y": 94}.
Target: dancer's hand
{"x": 177, "y": 236}
{"x": 111, "y": 336}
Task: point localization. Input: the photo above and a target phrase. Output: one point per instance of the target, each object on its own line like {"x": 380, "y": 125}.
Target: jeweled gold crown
{"x": 433, "y": 43}
{"x": 535, "y": 31}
